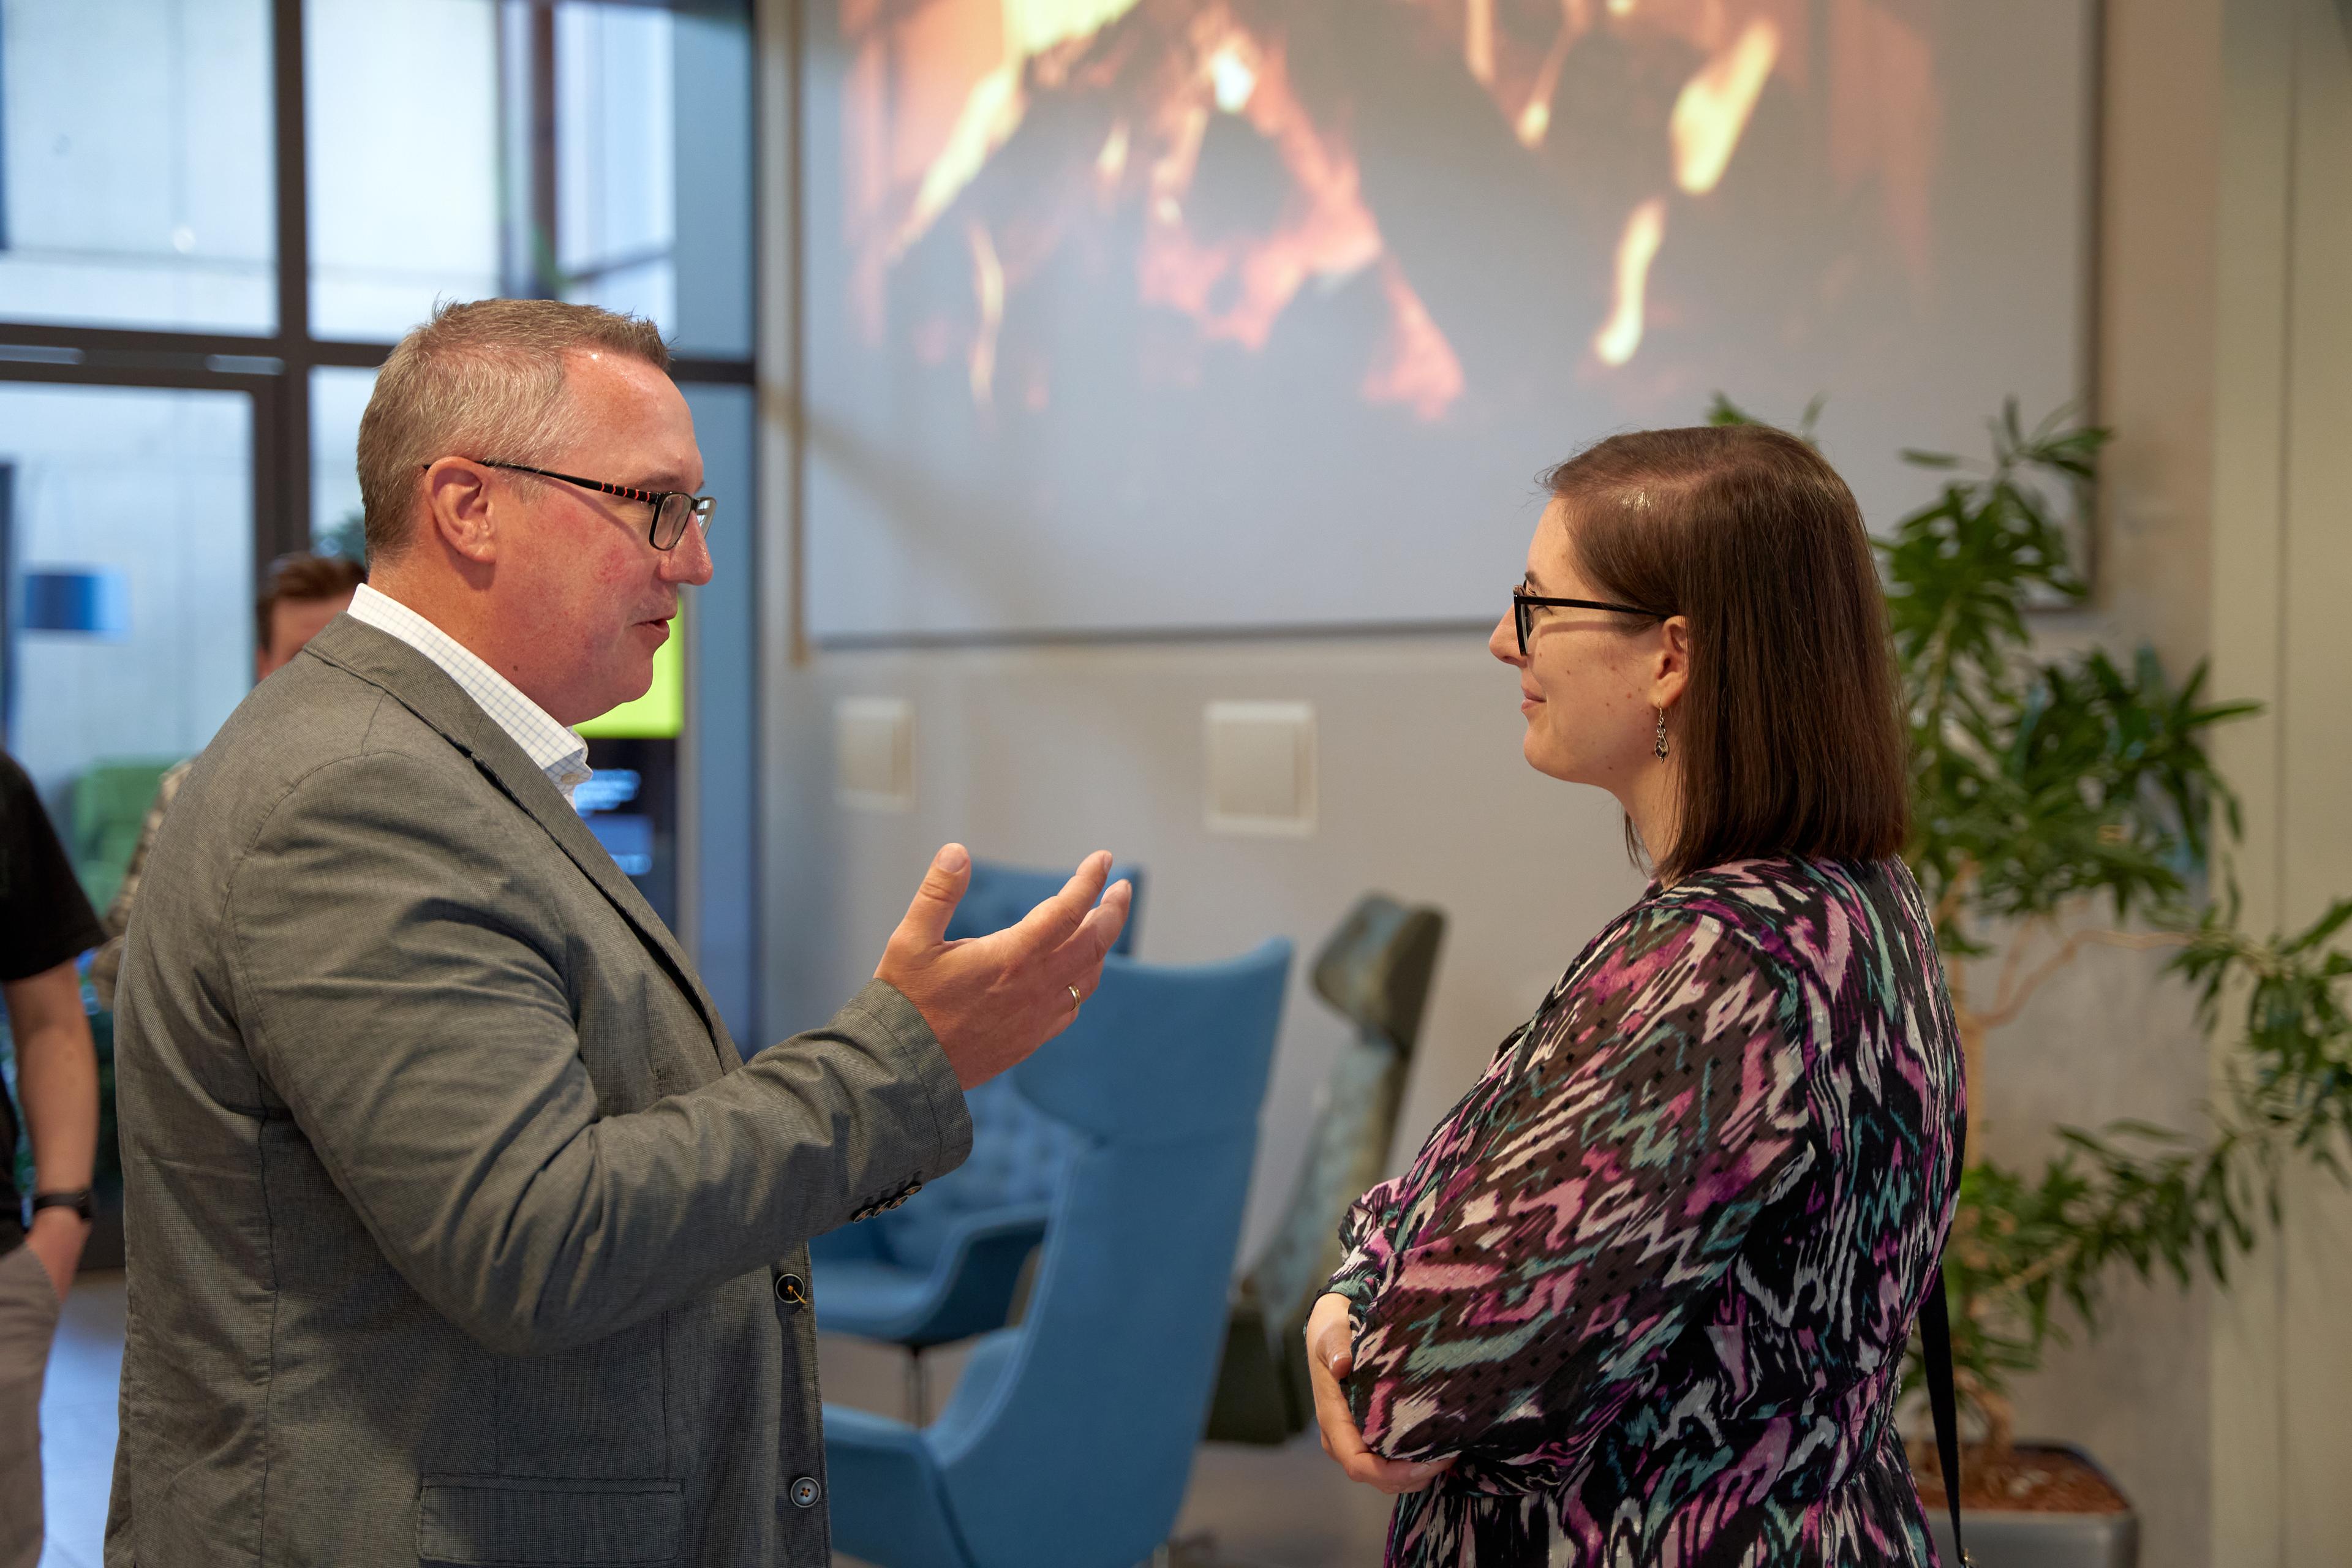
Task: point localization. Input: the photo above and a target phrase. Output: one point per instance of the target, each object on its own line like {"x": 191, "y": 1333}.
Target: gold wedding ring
{"x": 1077, "y": 1000}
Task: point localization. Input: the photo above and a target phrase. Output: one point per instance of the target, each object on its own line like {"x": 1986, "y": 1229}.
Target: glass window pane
{"x": 570, "y": 148}
{"x": 338, "y": 395}
{"x": 131, "y": 571}
{"x": 403, "y": 204}
{"x": 615, "y": 206}
{"x": 136, "y": 164}
{"x": 710, "y": 60}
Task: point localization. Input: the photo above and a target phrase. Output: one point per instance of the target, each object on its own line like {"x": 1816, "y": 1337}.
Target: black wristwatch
{"x": 78, "y": 1201}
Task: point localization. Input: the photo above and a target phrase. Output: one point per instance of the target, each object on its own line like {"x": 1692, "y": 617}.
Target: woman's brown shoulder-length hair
{"x": 1790, "y": 730}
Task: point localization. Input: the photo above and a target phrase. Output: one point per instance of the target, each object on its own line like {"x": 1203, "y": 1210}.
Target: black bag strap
{"x": 1935, "y": 1349}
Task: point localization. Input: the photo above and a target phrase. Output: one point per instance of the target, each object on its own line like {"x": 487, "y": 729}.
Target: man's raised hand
{"x": 993, "y": 999}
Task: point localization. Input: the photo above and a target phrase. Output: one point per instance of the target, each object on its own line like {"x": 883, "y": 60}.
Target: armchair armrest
{"x": 979, "y": 1268}
{"x": 887, "y": 1502}
{"x": 845, "y": 1243}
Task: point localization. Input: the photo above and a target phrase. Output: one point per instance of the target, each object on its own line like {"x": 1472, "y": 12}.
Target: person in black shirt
{"x": 45, "y": 923}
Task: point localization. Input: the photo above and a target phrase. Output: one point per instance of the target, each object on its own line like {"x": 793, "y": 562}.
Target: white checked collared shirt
{"x": 557, "y": 750}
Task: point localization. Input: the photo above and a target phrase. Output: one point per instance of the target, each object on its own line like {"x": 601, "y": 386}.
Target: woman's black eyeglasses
{"x": 1525, "y": 605}
{"x": 671, "y": 508}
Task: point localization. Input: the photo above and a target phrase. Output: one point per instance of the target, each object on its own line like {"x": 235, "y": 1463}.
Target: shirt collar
{"x": 554, "y": 748}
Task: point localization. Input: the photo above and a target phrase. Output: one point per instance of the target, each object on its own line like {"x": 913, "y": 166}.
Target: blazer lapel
{"x": 422, "y": 687}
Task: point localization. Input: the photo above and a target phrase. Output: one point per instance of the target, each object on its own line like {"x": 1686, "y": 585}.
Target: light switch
{"x": 874, "y": 752}
{"x": 1260, "y": 767}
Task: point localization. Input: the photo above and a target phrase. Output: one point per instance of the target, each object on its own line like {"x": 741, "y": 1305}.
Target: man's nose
{"x": 689, "y": 560}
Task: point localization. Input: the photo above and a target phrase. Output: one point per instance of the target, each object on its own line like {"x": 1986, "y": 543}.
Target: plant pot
{"x": 2001, "y": 1538}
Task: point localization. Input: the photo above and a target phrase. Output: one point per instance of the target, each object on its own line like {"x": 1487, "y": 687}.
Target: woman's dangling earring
{"x": 1662, "y": 733}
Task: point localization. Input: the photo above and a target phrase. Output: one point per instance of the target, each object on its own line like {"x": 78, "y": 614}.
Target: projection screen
{"x": 1133, "y": 315}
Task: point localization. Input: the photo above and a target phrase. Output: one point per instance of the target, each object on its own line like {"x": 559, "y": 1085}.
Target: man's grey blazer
{"x": 456, "y": 1228}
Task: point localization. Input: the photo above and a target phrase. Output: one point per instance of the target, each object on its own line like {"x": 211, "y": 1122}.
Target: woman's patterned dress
{"x": 1653, "y": 1277}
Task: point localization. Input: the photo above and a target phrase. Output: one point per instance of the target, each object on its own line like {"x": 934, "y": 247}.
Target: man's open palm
{"x": 993, "y": 999}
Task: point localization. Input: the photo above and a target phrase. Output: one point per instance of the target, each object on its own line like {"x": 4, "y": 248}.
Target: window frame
{"x": 274, "y": 368}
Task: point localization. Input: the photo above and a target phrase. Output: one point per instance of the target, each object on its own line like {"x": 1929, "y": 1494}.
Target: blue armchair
{"x": 1000, "y": 894}
{"x": 1070, "y": 1438}
{"x": 947, "y": 1264}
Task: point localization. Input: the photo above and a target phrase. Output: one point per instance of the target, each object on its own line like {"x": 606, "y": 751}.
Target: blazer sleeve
{"x": 420, "y": 1032}
{"x": 1562, "y": 1224}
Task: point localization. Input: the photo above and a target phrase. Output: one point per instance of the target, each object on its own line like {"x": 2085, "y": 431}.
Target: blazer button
{"x": 805, "y": 1491}
{"x": 792, "y": 1290}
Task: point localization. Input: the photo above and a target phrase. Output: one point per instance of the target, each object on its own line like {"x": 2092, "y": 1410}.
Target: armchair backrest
{"x": 1000, "y": 894}
{"x": 1017, "y": 1156}
{"x": 108, "y": 807}
{"x": 1376, "y": 970}
{"x": 1069, "y": 1441}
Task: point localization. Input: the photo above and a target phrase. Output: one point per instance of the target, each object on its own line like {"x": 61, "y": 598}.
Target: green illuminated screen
{"x": 660, "y": 714}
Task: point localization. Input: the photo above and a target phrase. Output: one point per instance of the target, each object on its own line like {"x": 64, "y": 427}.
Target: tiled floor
{"x": 1248, "y": 1508}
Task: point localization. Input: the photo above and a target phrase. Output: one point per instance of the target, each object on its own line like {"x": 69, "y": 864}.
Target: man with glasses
{"x": 460, "y": 1232}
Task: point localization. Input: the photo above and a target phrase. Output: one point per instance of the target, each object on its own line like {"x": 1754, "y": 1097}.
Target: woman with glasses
{"x": 1644, "y": 1296}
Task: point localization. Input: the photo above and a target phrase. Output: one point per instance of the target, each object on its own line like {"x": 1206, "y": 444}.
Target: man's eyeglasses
{"x": 1525, "y": 605}
{"x": 671, "y": 508}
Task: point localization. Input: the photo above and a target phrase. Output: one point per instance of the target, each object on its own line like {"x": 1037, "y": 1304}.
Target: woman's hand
{"x": 1330, "y": 1356}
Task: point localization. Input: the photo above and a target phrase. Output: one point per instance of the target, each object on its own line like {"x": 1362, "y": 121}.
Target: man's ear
{"x": 457, "y": 508}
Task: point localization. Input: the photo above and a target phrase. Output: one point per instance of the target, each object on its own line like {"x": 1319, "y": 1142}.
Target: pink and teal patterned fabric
{"x": 1653, "y": 1277}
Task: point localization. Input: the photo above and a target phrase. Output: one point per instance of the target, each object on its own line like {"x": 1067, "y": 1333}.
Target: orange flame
{"x": 1110, "y": 165}
{"x": 988, "y": 285}
{"x": 1234, "y": 78}
{"x": 996, "y": 105}
{"x": 1478, "y": 40}
{"x": 1417, "y": 366}
{"x": 935, "y": 88}
{"x": 1331, "y": 233}
{"x": 1535, "y": 120}
{"x": 1617, "y": 339}
{"x": 1712, "y": 113}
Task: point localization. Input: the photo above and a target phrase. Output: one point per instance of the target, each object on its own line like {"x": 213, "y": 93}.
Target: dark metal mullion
{"x": 135, "y": 340}
{"x": 8, "y": 598}
{"x": 341, "y": 353}
{"x": 131, "y": 345}
{"x": 282, "y": 520}
{"x": 167, "y": 377}
{"x": 546, "y": 259}
{"x": 272, "y": 478}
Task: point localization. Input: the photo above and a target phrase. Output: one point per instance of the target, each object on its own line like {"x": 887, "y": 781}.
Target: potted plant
{"x": 2062, "y": 805}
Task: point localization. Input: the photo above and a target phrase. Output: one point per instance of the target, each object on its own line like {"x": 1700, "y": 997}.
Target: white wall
{"x": 1039, "y": 755}
{"x": 2282, "y": 1370}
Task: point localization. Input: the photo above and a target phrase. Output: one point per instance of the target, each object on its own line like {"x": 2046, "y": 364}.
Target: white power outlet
{"x": 874, "y": 753}
{"x": 1261, "y": 768}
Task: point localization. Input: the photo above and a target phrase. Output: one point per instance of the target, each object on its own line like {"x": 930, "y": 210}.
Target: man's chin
{"x": 623, "y": 688}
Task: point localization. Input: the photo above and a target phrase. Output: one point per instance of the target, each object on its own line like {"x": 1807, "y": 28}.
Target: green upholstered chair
{"x": 1376, "y": 971}
{"x": 107, "y": 807}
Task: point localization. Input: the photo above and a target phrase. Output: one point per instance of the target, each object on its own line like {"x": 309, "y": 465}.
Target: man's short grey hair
{"x": 482, "y": 380}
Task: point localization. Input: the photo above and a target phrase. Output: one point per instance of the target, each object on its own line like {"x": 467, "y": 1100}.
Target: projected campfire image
{"x": 1201, "y": 311}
